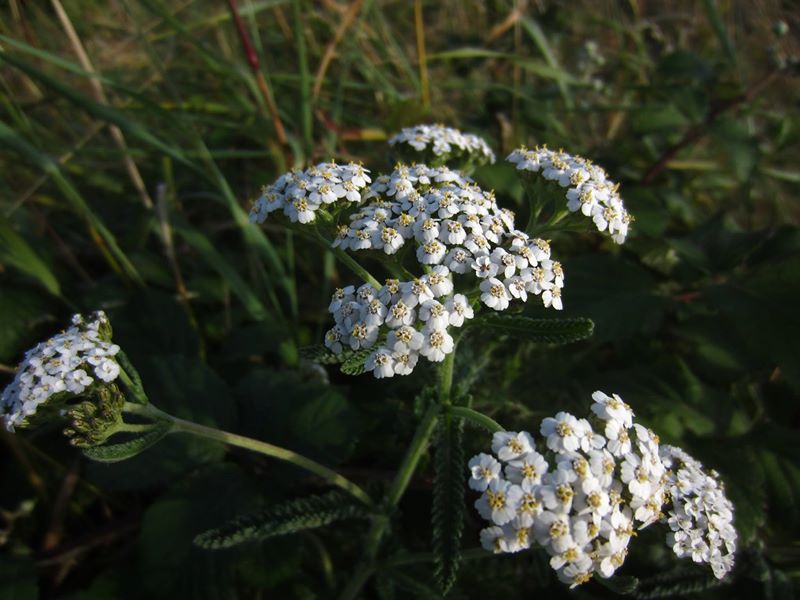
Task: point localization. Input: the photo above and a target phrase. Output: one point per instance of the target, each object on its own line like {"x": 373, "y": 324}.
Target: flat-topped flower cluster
{"x": 454, "y": 228}
{"x": 300, "y": 194}
{"x": 65, "y": 365}
{"x": 404, "y": 319}
{"x": 444, "y": 141}
{"x": 701, "y": 515}
{"x": 590, "y": 190}
{"x": 453, "y": 222}
{"x": 581, "y": 495}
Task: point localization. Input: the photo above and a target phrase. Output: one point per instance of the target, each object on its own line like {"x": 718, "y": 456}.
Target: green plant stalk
{"x": 406, "y": 470}
{"x": 305, "y": 79}
{"x": 478, "y": 418}
{"x": 347, "y": 260}
{"x": 240, "y": 441}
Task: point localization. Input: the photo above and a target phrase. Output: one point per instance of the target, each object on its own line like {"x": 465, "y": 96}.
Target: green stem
{"x": 233, "y": 439}
{"x": 406, "y": 470}
{"x": 469, "y": 414}
{"x": 348, "y": 261}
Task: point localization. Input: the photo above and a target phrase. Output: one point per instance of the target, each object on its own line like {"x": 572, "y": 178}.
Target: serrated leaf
{"x": 620, "y": 584}
{"x": 354, "y": 364}
{"x": 447, "y": 516}
{"x": 320, "y": 354}
{"x": 678, "y": 583}
{"x": 292, "y": 516}
{"x": 124, "y": 450}
{"x": 543, "y": 331}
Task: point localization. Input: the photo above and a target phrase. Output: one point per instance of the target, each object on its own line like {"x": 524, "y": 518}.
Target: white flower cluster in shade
{"x": 66, "y": 364}
{"x": 443, "y": 141}
{"x": 580, "y": 494}
{"x": 700, "y": 516}
{"x": 590, "y": 190}
{"x": 452, "y": 222}
{"x": 300, "y": 194}
{"x": 403, "y": 321}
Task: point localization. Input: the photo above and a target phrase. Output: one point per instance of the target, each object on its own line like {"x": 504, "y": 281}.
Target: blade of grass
{"x": 422, "y": 60}
{"x": 347, "y": 20}
{"x": 305, "y": 80}
{"x": 540, "y": 39}
{"x": 255, "y": 67}
{"x": 100, "y": 95}
{"x": 15, "y": 251}
{"x": 101, "y": 111}
{"x": 105, "y": 239}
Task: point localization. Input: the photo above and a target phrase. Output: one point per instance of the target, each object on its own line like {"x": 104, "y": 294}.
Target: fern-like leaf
{"x": 125, "y": 450}
{"x": 292, "y": 516}
{"x": 543, "y": 331}
{"x": 448, "y": 502}
{"x": 320, "y": 354}
{"x": 676, "y": 583}
{"x": 354, "y": 363}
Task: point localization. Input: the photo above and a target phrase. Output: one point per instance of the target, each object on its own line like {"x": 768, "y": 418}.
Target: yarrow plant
{"x": 79, "y": 360}
{"x": 443, "y": 143}
{"x": 582, "y": 496}
{"x": 455, "y": 260}
{"x": 589, "y": 190}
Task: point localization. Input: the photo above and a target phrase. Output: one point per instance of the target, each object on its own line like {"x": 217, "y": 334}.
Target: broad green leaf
{"x": 447, "y": 515}
{"x": 24, "y": 318}
{"x": 283, "y": 519}
{"x": 124, "y": 450}
{"x": 169, "y": 564}
{"x": 15, "y": 251}
{"x": 543, "y": 331}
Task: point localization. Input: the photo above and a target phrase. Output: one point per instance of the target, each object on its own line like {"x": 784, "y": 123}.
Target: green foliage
{"x": 124, "y": 450}
{"x": 679, "y": 582}
{"x": 695, "y": 319}
{"x": 283, "y": 519}
{"x": 542, "y": 331}
{"x": 447, "y": 515}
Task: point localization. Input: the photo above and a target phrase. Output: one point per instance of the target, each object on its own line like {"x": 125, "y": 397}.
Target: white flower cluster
{"x": 444, "y": 141}
{"x": 66, "y": 363}
{"x": 301, "y": 193}
{"x": 582, "y": 505}
{"x": 454, "y": 223}
{"x": 590, "y": 191}
{"x": 700, "y": 516}
{"x": 580, "y": 494}
{"x": 403, "y": 320}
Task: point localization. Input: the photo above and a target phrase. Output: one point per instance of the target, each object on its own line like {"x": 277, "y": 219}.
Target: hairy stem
{"x": 469, "y": 414}
{"x": 406, "y": 470}
{"x": 240, "y": 441}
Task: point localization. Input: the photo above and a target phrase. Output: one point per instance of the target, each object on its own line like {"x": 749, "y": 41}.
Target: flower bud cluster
{"x": 700, "y": 516}
{"x": 300, "y": 194}
{"x": 581, "y": 493}
{"x": 590, "y": 190}
{"x": 444, "y": 142}
{"x": 61, "y": 367}
{"x": 403, "y": 321}
{"x": 450, "y": 221}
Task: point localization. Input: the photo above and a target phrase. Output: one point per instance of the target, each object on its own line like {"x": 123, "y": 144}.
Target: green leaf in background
{"x": 283, "y": 519}
{"x": 290, "y": 410}
{"x": 170, "y": 565}
{"x": 15, "y": 251}
{"x": 447, "y": 514}
{"x": 542, "y": 331}
{"x": 618, "y": 295}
